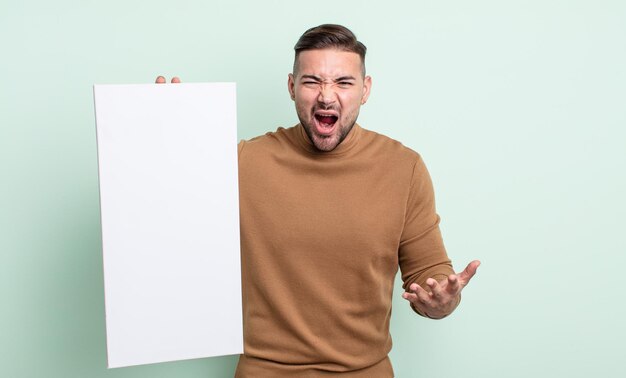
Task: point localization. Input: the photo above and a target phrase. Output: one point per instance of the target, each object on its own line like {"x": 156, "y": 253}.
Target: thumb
{"x": 466, "y": 275}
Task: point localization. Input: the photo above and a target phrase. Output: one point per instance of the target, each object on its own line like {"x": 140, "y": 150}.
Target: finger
{"x": 422, "y": 295}
{"x": 411, "y": 297}
{"x": 453, "y": 286}
{"x": 175, "y": 80}
{"x": 160, "y": 80}
{"x": 466, "y": 275}
{"x": 435, "y": 289}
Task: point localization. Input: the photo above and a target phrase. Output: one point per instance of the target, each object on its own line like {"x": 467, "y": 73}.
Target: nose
{"x": 327, "y": 94}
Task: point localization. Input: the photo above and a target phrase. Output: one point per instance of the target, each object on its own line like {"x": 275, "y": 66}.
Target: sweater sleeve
{"x": 422, "y": 254}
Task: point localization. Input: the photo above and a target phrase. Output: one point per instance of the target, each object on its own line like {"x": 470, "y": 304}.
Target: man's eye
{"x": 309, "y": 82}
{"x": 345, "y": 83}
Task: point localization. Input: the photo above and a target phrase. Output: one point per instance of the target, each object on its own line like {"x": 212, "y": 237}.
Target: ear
{"x": 290, "y": 86}
{"x": 367, "y": 86}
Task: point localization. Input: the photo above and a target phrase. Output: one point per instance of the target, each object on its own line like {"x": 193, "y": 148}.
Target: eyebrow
{"x": 345, "y": 78}
{"x": 317, "y": 78}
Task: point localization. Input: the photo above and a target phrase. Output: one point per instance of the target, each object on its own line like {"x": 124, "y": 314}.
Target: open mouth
{"x": 325, "y": 123}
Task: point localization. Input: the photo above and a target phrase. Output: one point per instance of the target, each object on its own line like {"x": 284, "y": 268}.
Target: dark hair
{"x": 329, "y": 36}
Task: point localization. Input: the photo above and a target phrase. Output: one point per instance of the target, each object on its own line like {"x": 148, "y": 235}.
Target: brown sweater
{"x": 322, "y": 236}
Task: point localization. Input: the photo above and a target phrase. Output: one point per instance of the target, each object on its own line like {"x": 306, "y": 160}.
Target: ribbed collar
{"x": 346, "y": 145}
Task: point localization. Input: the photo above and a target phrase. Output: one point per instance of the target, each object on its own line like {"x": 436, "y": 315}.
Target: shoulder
{"x": 391, "y": 149}
{"x": 267, "y": 142}
{"x": 406, "y": 163}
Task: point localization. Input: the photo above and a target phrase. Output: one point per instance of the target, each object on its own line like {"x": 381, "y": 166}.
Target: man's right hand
{"x": 163, "y": 80}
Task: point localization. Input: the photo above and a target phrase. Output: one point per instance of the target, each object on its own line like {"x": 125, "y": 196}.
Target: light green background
{"x": 518, "y": 108}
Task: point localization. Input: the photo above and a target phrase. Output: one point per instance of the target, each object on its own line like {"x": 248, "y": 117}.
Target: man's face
{"x": 328, "y": 88}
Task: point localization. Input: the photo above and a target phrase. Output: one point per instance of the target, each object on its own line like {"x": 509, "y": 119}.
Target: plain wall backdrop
{"x": 518, "y": 108}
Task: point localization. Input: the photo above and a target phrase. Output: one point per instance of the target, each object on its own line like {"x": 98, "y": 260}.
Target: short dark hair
{"x": 329, "y": 36}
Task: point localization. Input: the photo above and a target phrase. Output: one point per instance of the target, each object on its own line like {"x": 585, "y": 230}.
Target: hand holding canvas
{"x": 163, "y": 80}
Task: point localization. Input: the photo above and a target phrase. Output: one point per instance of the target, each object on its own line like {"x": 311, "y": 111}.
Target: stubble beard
{"x": 326, "y": 143}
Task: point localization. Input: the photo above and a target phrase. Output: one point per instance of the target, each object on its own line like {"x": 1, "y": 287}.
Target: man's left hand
{"x": 441, "y": 298}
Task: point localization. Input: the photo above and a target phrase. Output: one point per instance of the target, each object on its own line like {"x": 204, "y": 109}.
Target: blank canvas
{"x": 170, "y": 221}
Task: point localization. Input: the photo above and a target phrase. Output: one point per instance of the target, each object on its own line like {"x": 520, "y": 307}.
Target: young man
{"x": 329, "y": 211}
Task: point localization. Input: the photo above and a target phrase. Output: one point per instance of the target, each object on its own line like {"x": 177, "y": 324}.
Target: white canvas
{"x": 170, "y": 221}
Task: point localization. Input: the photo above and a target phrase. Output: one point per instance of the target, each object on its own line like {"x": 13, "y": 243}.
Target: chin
{"x": 326, "y": 147}
{"x": 326, "y": 144}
